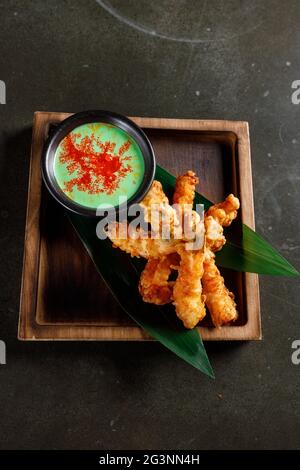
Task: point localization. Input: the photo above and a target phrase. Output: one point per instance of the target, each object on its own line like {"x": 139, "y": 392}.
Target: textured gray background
{"x": 194, "y": 59}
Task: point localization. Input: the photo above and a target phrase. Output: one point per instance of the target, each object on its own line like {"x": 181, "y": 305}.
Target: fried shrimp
{"x": 199, "y": 282}
{"x": 214, "y": 236}
{"x": 154, "y": 286}
{"x": 157, "y": 210}
{"x": 225, "y": 212}
{"x": 219, "y": 300}
{"x": 185, "y": 188}
{"x": 161, "y": 291}
{"x": 191, "y": 224}
{"x": 187, "y": 291}
{"x": 219, "y": 216}
{"x": 139, "y": 243}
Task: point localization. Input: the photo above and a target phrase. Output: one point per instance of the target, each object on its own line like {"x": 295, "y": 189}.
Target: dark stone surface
{"x": 216, "y": 59}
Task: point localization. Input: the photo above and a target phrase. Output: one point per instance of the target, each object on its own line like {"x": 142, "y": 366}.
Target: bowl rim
{"x": 76, "y": 120}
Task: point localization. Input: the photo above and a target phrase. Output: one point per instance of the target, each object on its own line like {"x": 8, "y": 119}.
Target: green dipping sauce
{"x": 98, "y": 163}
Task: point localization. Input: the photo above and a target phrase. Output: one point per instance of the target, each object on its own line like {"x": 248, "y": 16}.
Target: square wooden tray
{"x": 64, "y": 298}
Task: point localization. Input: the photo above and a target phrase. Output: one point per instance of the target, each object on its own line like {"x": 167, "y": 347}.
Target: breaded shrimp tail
{"x": 226, "y": 211}
{"x": 154, "y": 286}
{"x": 139, "y": 243}
{"x": 218, "y": 299}
{"x": 187, "y": 291}
{"x": 219, "y": 216}
{"x": 185, "y": 188}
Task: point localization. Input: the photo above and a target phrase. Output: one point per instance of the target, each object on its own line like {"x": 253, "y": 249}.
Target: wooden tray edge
{"x": 28, "y": 329}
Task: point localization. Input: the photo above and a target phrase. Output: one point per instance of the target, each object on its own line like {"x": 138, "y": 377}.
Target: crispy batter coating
{"x": 139, "y": 243}
{"x": 154, "y": 286}
{"x": 187, "y": 291}
{"x": 214, "y": 237}
{"x": 185, "y": 188}
{"x": 157, "y": 210}
{"x": 199, "y": 281}
{"x": 219, "y": 216}
{"x": 183, "y": 200}
{"x": 225, "y": 212}
{"x": 155, "y": 195}
{"x": 219, "y": 300}
{"x": 160, "y": 291}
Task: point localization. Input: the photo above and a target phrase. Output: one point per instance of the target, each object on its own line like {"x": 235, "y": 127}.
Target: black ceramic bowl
{"x": 68, "y": 125}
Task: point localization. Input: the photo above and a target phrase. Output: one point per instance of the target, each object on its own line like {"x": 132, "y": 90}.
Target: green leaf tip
{"x": 245, "y": 250}
{"x": 121, "y": 274}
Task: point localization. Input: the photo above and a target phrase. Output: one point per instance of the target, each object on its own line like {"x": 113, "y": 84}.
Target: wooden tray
{"x": 64, "y": 298}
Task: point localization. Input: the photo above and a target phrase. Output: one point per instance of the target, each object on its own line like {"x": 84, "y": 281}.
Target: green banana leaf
{"x": 245, "y": 250}
{"x": 121, "y": 274}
